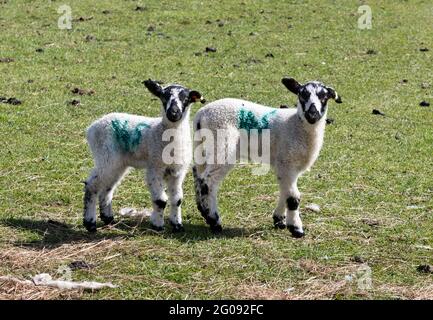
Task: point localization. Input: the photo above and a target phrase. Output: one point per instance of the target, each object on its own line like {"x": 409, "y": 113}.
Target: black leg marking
{"x": 87, "y": 198}
{"x": 292, "y": 203}
{"x": 279, "y": 222}
{"x": 212, "y": 221}
{"x": 204, "y": 211}
{"x": 198, "y": 125}
{"x": 199, "y": 199}
{"x": 204, "y": 190}
{"x": 107, "y": 219}
{"x": 161, "y": 204}
{"x": 179, "y": 202}
{"x": 296, "y": 232}
{"x": 89, "y": 225}
{"x": 106, "y": 213}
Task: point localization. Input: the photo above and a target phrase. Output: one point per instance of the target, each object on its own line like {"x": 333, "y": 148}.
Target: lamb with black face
{"x": 312, "y": 98}
{"x": 175, "y": 99}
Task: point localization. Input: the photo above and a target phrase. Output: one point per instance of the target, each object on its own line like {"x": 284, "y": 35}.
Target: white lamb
{"x": 296, "y": 137}
{"x": 119, "y": 141}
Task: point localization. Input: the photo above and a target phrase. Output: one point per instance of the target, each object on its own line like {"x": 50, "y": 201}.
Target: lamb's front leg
{"x": 175, "y": 192}
{"x": 155, "y": 181}
{"x": 279, "y": 215}
{"x": 290, "y": 198}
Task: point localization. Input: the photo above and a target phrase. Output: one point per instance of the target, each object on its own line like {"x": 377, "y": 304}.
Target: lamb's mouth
{"x": 312, "y": 118}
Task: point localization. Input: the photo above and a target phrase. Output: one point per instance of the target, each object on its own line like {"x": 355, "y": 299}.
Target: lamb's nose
{"x": 313, "y": 110}
{"x": 174, "y": 111}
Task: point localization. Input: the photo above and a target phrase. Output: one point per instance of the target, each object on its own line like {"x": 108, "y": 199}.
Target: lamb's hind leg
{"x": 207, "y": 187}
{"x": 91, "y": 190}
{"x": 106, "y": 195}
{"x": 201, "y": 191}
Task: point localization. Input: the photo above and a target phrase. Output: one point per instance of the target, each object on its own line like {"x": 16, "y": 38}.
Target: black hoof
{"x": 156, "y": 228}
{"x": 216, "y": 228}
{"x": 211, "y": 220}
{"x": 90, "y": 226}
{"x": 279, "y": 223}
{"x": 296, "y": 232}
{"x": 107, "y": 220}
{"x": 177, "y": 228}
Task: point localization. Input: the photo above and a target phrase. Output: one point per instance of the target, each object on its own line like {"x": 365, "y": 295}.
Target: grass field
{"x": 373, "y": 179}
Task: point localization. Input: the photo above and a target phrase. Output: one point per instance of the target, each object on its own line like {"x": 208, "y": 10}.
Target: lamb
{"x": 296, "y": 137}
{"x": 120, "y": 141}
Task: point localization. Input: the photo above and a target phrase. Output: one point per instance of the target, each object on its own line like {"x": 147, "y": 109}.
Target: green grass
{"x": 371, "y": 168}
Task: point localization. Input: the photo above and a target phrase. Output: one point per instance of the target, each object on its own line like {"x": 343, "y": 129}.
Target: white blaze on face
{"x": 174, "y": 96}
{"x": 313, "y": 99}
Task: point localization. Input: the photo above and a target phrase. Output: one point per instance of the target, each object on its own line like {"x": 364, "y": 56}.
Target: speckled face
{"x": 313, "y": 98}
{"x": 175, "y": 98}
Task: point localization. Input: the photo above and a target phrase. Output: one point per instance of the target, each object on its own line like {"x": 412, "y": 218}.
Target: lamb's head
{"x": 312, "y": 98}
{"x": 175, "y": 99}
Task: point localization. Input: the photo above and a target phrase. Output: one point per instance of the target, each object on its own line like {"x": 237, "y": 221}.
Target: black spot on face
{"x": 304, "y": 96}
{"x": 198, "y": 125}
{"x": 161, "y": 204}
{"x": 179, "y": 202}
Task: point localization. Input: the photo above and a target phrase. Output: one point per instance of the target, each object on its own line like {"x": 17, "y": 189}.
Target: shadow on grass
{"x": 51, "y": 233}
{"x": 193, "y": 232}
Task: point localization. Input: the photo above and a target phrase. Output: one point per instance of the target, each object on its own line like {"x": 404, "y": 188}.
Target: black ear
{"x": 291, "y": 84}
{"x": 195, "y": 96}
{"x": 332, "y": 94}
{"x": 153, "y": 87}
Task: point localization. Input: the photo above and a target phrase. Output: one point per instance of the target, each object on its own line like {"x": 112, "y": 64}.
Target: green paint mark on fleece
{"x": 248, "y": 120}
{"x": 127, "y": 139}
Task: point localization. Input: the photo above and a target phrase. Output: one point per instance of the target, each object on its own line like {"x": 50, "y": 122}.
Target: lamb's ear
{"x": 153, "y": 87}
{"x": 291, "y": 84}
{"x": 332, "y": 94}
{"x": 195, "y": 96}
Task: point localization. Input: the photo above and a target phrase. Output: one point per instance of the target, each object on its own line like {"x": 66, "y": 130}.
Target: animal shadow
{"x": 52, "y": 233}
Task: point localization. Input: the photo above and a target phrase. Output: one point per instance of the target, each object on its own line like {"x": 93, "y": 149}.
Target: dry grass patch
{"x": 25, "y": 262}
